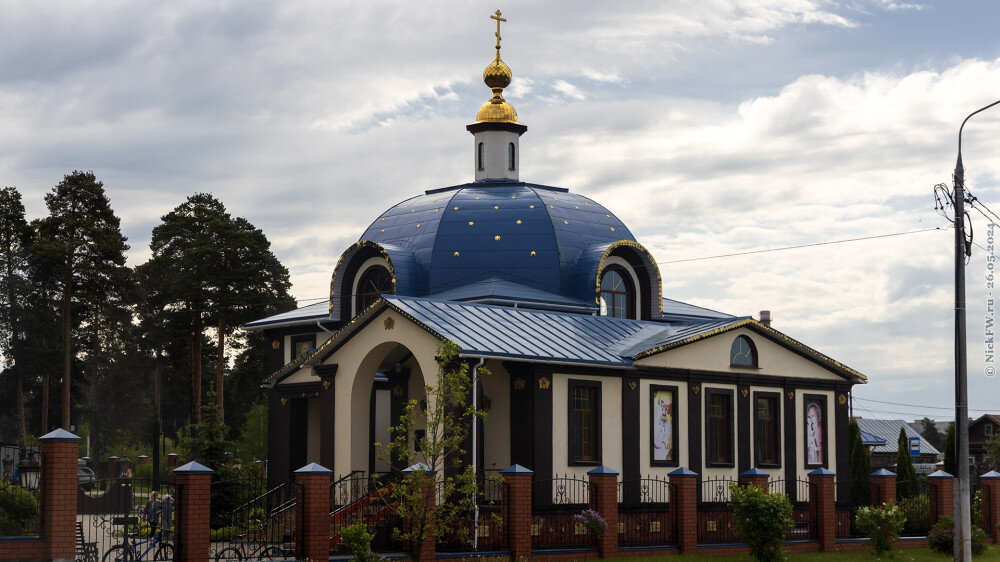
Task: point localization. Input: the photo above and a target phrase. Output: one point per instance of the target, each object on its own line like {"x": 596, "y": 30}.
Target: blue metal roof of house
{"x": 315, "y": 311}
{"x": 677, "y": 309}
{"x": 500, "y": 289}
{"x": 889, "y": 431}
{"x": 530, "y": 234}
{"x": 869, "y": 440}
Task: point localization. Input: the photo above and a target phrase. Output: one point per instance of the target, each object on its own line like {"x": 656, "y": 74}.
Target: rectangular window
{"x": 584, "y": 422}
{"x": 767, "y": 429}
{"x": 719, "y": 427}
{"x": 988, "y": 429}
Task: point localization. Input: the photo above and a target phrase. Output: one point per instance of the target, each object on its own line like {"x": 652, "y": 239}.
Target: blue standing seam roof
{"x": 317, "y": 311}
{"x": 531, "y": 334}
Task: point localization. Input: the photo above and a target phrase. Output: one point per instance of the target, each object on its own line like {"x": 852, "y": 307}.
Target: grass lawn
{"x": 908, "y": 555}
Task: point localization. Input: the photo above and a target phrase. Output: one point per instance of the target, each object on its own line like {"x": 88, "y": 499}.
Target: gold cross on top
{"x": 499, "y": 19}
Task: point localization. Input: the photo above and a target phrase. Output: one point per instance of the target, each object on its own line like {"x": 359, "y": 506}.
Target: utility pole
{"x": 963, "y": 520}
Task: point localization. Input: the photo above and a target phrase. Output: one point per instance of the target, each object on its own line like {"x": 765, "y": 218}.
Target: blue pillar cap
{"x": 313, "y": 468}
{"x": 883, "y": 472}
{"x": 193, "y": 468}
{"x": 418, "y": 466}
{"x": 603, "y": 470}
{"x": 823, "y": 472}
{"x": 939, "y": 474}
{"x": 59, "y": 435}
{"x": 754, "y": 472}
{"x": 991, "y": 474}
{"x": 683, "y": 471}
{"x": 516, "y": 469}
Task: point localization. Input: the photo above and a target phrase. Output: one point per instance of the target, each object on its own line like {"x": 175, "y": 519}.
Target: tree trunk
{"x": 158, "y": 421}
{"x": 196, "y": 372}
{"x": 20, "y": 398}
{"x": 67, "y": 347}
{"x": 45, "y": 402}
{"x": 219, "y": 371}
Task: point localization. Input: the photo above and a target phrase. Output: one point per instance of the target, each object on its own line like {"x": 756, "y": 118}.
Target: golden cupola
{"x": 497, "y": 76}
{"x": 496, "y": 131}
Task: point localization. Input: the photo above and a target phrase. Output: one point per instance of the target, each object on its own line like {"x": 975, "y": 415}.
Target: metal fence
{"x": 24, "y": 505}
{"x": 365, "y": 500}
{"x": 800, "y": 493}
{"x": 255, "y": 522}
{"x": 556, "y": 502}
{"x": 478, "y": 528}
{"x": 645, "y": 515}
{"x": 125, "y": 519}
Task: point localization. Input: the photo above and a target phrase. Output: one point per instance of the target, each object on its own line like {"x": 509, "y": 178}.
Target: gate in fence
{"x": 800, "y": 493}
{"x": 716, "y": 523}
{"x": 850, "y": 495}
{"x": 478, "y": 528}
{"x": 251, "y": 520}
{"x": 646, "y": 516}
{"x": 125, "y": 519}
{"x": 555, "y": 502}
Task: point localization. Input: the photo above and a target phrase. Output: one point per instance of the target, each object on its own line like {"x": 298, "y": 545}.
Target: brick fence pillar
{"x": 426, "y": 549}
{"x": 824, "y": 507}
{"x": 685, "y": 506}
{"x": 517, "y": 519}
{"x": 58, "y": 487}
{"x": 113, "y": 467}
{"x": 991, "y": 504}
{"x": 756, "y": 477}
{"x": 883, "y": 486}
{"x": 312, "y": 513}
{"x": 171, "y": 465}
{"x": 192, "y": 518}
{"x": 941, "y": 489}
{"x": 604, "y": 500}
{"x": 143, "y": 460}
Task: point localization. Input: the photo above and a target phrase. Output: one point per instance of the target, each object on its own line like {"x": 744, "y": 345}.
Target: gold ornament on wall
{"x": 543, "y": 383}
{"x": 631, "y": 385}
{"x": 397, "y": 390}
{"x": 518, "y": 383}
{"x": 744, "y": 392}
{"x": 791, "y": 395}
{"x": 842, "y": 399}
{"x": 695, "y": 389}
{"x": 275, "y": 344}
{"x": 389, "y": 323}
{"x": 326, "y": 385}
{"x": 284, "y": 401}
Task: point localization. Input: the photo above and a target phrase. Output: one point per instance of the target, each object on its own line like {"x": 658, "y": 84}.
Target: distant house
{"x": 884, "y": 455}
{"x": 980, "y": 432}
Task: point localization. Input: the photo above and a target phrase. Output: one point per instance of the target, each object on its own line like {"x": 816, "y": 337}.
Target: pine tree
{"x": 949, "y": 450}
{"x": 906, "y": 475}
{"x": 82, "y": 240}
{"x": 861, "y": 466}
{"x": 14, "y": 241}
{"x": 930, "y": 432}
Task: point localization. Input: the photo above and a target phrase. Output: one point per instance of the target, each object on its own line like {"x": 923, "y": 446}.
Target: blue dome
{"x": 526, "y": 233}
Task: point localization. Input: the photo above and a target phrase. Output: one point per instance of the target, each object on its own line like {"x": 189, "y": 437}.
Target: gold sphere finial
{"x": 497, "y": 76}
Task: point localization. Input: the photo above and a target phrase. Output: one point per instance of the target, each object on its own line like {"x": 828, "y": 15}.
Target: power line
{"x": 949, "y": 408}
{"x": 827, "y": 243}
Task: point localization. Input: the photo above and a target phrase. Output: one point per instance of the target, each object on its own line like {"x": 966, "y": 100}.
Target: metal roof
{"x": 869, "y": 440}
{"x": 677, "y": 309}
{"x": 306, "y": 314}
{"x": 889, "y": 431}
{"x": 494, "y": 288}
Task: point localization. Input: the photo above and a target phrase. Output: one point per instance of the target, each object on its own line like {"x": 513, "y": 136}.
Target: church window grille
{"x": 719, "y": 428}
{"x": 743, "y": 353}
{"x": 511, "y": 160}
{"x": 374, "y": 283}
{"x": 767, "y": 429}
{"x": 479, "y": 157}
{"x": 584, "y": 422}
{"x": 616, "y": 293}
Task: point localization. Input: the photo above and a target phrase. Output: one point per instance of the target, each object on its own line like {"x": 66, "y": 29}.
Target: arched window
{"x": 375, "y": 282}
{"x": 743, "y": 353}
{"x": 511, "y": 161}
{"x": 617, "y": 293}
{"x": 479, "y": 156}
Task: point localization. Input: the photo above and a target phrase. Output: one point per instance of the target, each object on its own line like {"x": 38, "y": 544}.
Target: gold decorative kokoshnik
{"x": 497, "y": 76}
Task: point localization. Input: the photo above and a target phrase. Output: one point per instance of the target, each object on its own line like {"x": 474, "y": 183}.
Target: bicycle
{"x": 259, "y": 548}
{"x": 126, "y": 552}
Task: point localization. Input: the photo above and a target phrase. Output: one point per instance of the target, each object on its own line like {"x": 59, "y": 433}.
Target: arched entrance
{"x": 387, "y": 379}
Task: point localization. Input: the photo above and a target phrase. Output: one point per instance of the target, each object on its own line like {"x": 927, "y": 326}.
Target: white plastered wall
{"x": 611, "y": 424}
{"x": 495, "y": 158}
{"x": 712, "y": 354}
{"x": 496, "y": 427}
{"x": 680, "y": 419}
{"x": 313, "y": 431}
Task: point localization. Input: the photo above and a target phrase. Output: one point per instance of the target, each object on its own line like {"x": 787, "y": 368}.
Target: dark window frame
{"x": 629, "y": 291}
{"x": 775, "y": 430}
{"x": 710, "y": 444}
{"x": 753, "y": 353}
{"x": 821, "y": 400}
{"x": 480, "y": 157}
{"x": 511, "y": 157}
{"x": 359, "y": 297}
{"x": 653, "y": 389}
{"x": 574, "y": 427}
{"x": 295, "y": 340}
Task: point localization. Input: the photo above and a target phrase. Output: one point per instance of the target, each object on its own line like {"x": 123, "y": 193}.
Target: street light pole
{"x": 963, "y": 520}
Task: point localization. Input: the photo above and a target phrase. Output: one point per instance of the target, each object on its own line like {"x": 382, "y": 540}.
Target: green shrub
{"x": 977, "y": 509}
{"x": 358, "y": 541}
{"x": 18, "y": 506}
{"x": 222, "y": 534}
{"x": 881, "y": 524}
{"x": 917, "y": 512}
{"x": 762, "y": 520}
{"x": 941, "y": 537}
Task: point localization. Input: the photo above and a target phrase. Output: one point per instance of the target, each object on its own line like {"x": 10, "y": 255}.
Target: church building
{"x": 547, "y": 289}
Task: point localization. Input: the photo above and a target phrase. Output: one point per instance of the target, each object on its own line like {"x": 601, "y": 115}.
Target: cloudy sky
{"x": 710, "y": 127}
